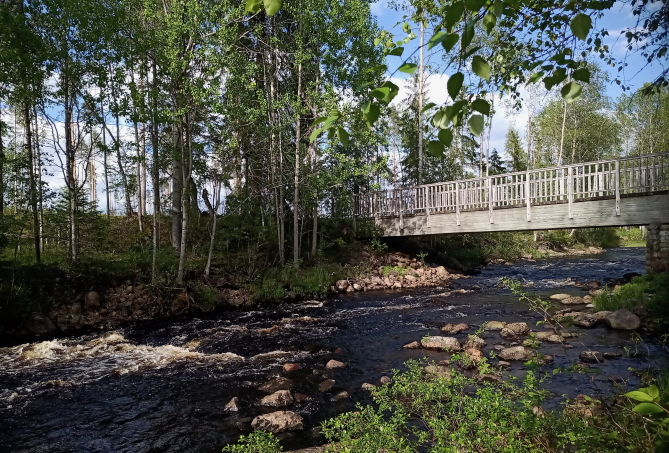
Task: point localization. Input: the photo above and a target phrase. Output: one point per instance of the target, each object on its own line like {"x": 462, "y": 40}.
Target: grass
{"x": 647, "y": 295}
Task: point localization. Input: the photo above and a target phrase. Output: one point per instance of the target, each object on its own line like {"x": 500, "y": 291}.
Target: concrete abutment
{"x": 657, "y": 248}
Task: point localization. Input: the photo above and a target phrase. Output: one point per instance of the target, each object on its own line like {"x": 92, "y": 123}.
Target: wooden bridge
{"x": 617, "y": 192}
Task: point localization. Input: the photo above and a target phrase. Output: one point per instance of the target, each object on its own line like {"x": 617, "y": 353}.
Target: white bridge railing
{"x": 617, "y": 178}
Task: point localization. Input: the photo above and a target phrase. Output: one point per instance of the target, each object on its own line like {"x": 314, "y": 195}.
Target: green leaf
{"x": 272, "y": 6}
{"x": 582, "y": 74}
{"x": 571, "y": 92}
{"x": 343, "y": 136}
{"x": 319, "y": 120}
{"x": 445, "y": 136}
{"x": 380, "y": 93}
{"x": 653, "y": 391}
{"x": 534, "y": 78}
{"x": 253, "y": 6}
{"x": 481, "y": 105}
{"x": 475, "y": 124}
{"x": 454, "y": 84}
{"x": 580, "y": 25}
{"x": 436, "y": 39}
{"x": 454, "y": 14}
{"x": 662, "y": 52}
{"x": 362, "y": 86}
{"x": 331, "y": 120}
{"x": 378, "y": 67}
{"x": 365, "y": 106}
{"x": 372, "y": 115}
{"x": 481, "y": 67}
{"x": 428, "y": 107}
{"x": 450, "y": 41}
{"x": 408, "y": 68}
{"x": 499, "y": 8}
{"x": 397, "y": 52}
{"x": 314, "y": 135}
{"x": 647, "y": 408}
{"x": 393, "y": 90}
{"x": 475, "y": 5}
{"x": 639, "y": 396}
{"x": 468, "y": 34}
{"x": 489, "y": 22}
{"x": 452, "y": 111}
{"x": 436, "y": 148}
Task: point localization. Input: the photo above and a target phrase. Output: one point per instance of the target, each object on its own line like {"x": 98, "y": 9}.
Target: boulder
{"x": 507, "y": 334}
{"x": 519, "y": 328}
{"x": 437, "y": 370}
{"x": 232, "y": 406}
{"x": 326, "y": 385}
{"x": 341, "y": 285}
{"x": 92, "y": 301}
{"x": 591, "y": 357}
{"x": 587, "y": 299}
{"x": 543, "y": 335}
{"x": 474, "y": 342}
{"x": 412, "y": 345}
{"x": 454, "y": 328}
{"x": 443, "y": 343}
{"x": 475, "y": 354}
{"x": 601, "y": 316}
{"x": 441, "y": 271}
{"x": 341, "y": 396}
{"x": 276, "y": 384}
{"x": 39, "y": 324}
{"x": 334, "y": 364}
{"x": 584, "y": 319}
{"x": 572, "y": 301}
{"x": 516, "y": 353}
{"x": 623, "y": 320}
{"x": 555, "y": 339}
{"x": 368, "y": 387}
{"x": 385, "y": 380}
{"x": 278, "y": 422}
{"x": 560, "y": 296}
{"x": 494, "y": 325}
{"x": 278, "y": 399}
{"x": 288, "y": 367}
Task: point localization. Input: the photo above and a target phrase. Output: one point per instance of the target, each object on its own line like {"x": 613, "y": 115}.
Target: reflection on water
{"x": 163, "y": 386}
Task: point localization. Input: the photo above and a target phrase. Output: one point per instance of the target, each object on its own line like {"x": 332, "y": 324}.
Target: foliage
{"x": 648, "y": 293}
{"x": 401, "y": 271}
{"x": 256, "y": 442}
{"x": 377, "y": 246}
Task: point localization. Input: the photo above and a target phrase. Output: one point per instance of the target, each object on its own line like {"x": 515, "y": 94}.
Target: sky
{"x": 614, "y": 20}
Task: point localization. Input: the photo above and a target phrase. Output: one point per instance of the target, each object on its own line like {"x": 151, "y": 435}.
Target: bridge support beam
{"x": 657, "y": 248}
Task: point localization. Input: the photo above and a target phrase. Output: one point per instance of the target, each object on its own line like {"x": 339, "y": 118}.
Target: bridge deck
{"x": 626, "y": 191}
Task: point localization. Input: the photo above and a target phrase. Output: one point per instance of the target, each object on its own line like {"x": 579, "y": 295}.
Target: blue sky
{"x": 614, "y": 20}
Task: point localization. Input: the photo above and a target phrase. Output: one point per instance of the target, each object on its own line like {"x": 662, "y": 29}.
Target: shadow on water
{"x": 163, "y": 386}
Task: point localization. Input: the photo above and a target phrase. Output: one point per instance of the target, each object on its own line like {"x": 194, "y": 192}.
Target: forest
{"x": 167, "y": 140}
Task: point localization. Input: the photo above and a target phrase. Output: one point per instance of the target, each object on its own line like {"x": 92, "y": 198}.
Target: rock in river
{"x": 278, "y": 422}
{"x": 39, "y": 324}
{"x": 454, "y": 328}
{"x": 516, "y": 353}
{"x": 494, "y": 325}
{"x": 445, "y": 343}
{"x": 519, "y": 328}
{"x": 623, "y": 320}
{"x": 278, "y": 399}
{"x": 341, "y": 285}
{"x": 276, "y": 384}
{"x": 474, "y": 342}
{"x": 412, "y": 345}
{"x": 560, "y": 296}
{"x": 507, "y": 334}
{"x": 591, "y": 356}
{"x": 334, "y": 364}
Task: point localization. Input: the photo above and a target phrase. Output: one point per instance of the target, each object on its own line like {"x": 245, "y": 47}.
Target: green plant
{"x": 421, "y": 256}
{"x": 256, "y": 442}
{"x": 377, "y": 246}
{"x": 205, "y": 297}
{"x": 401, "y": 271}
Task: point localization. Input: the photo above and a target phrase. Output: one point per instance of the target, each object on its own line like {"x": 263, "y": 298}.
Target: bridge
{"x": 617, "y": 192}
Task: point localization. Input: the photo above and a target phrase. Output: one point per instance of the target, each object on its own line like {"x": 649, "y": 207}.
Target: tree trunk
{"x": 38, "y": 157}
{"x": 186, "y": 175}
{"x": 420, "y": 106}
{"x": 296, "y": 195}
{"x": 177, "y": 188}
{"x": 33, "y": 191}
{"x": 138, "y": 166}
{"x": 564, "y": 120}
{"x": 2, "y": 171}
{"x": 117, "y": 145}
{"x": 212, "y": 210}
{"x": 104, "y": 142}
{"x": 156, "y": 181}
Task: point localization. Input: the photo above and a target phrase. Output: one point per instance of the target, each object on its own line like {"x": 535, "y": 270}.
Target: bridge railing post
{"x": 490, "y": 198}
{"x": 570, "y": 192}
{"x": 426, "y": 194}
{"x": 527, "y": 195}
{"x": 400, "y": 209}
{"x": 617, "y": 177}
{"x": 457, "y": 203}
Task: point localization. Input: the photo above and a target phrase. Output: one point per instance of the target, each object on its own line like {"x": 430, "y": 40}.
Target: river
{"x": 162, "y": 386}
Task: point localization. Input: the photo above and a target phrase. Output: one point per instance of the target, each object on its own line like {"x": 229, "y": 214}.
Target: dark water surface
{"x": 162, "y": 386}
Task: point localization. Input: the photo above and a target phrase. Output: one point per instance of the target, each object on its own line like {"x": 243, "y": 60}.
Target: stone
{"x": 587, "y": 299}
{"x": 326, "y": 385}
{"x": 596, "y": 292}
{"x": 494, "y": 325}
{"x": 555, "y": 338}
{"x": 612, "y": 355}
{"x": 591, "y": 357}
{"x": 357, "y": 287}
{"x": 412, "y": 345}
{"x": 385, "y": 380}
{"x": 301, "y": 398}
{"x": 92, "y": 301}
{"x": 544, "y": 359}
{"x": 560, "y": 296}
{"x": 503, "y": 364}
{"x": 280, "y": 398}
{"x": 341, "y": 396}
{"x": 544, "y": 334}
{"x": 441, "y": 271}
{"x": 475, "y": 354}
{"x": 278, "y": 422}
{"x": 437, "y": 370}
{"x": 519, "y": 328}
{"x": 454, "y": 328}
{"x": 488, "y": 377}
{"x": 368, "y": 387}
{"x": 232, "y": 406}
{"x": 474, "y": 342}
{"x": 179, "y": 303}
{"x": 38, "y": 324}
{"x": 75, "y": 309}
{"x": 584, "y": 320}
{"x": 341, "y": 285}
{"x": 601, "y": 316}
{"x": 288, "y": 367}
{"x": 516, "y": 353}
{"x": 350, "y": 289}
{"x": 586, "y": 406}
{"x": 276, "y": 384}
{"x": 594, "y": 284}
{"x": 538, "y": 411}
{"x": 507, "y": 334}
{"x": 623, "y": 320}
{"x": 334, "y": 364}
{"x": 442, "y": 343}
{"x": 575, "y": 300}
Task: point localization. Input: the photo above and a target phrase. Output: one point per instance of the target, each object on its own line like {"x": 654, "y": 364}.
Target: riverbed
{"x": 163, "y": 386}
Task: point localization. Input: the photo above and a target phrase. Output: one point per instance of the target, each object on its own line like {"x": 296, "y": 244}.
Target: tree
{"x": 514, "y": 148}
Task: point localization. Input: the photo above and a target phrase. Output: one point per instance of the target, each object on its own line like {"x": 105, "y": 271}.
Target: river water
{"x": 163, "y": 386}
